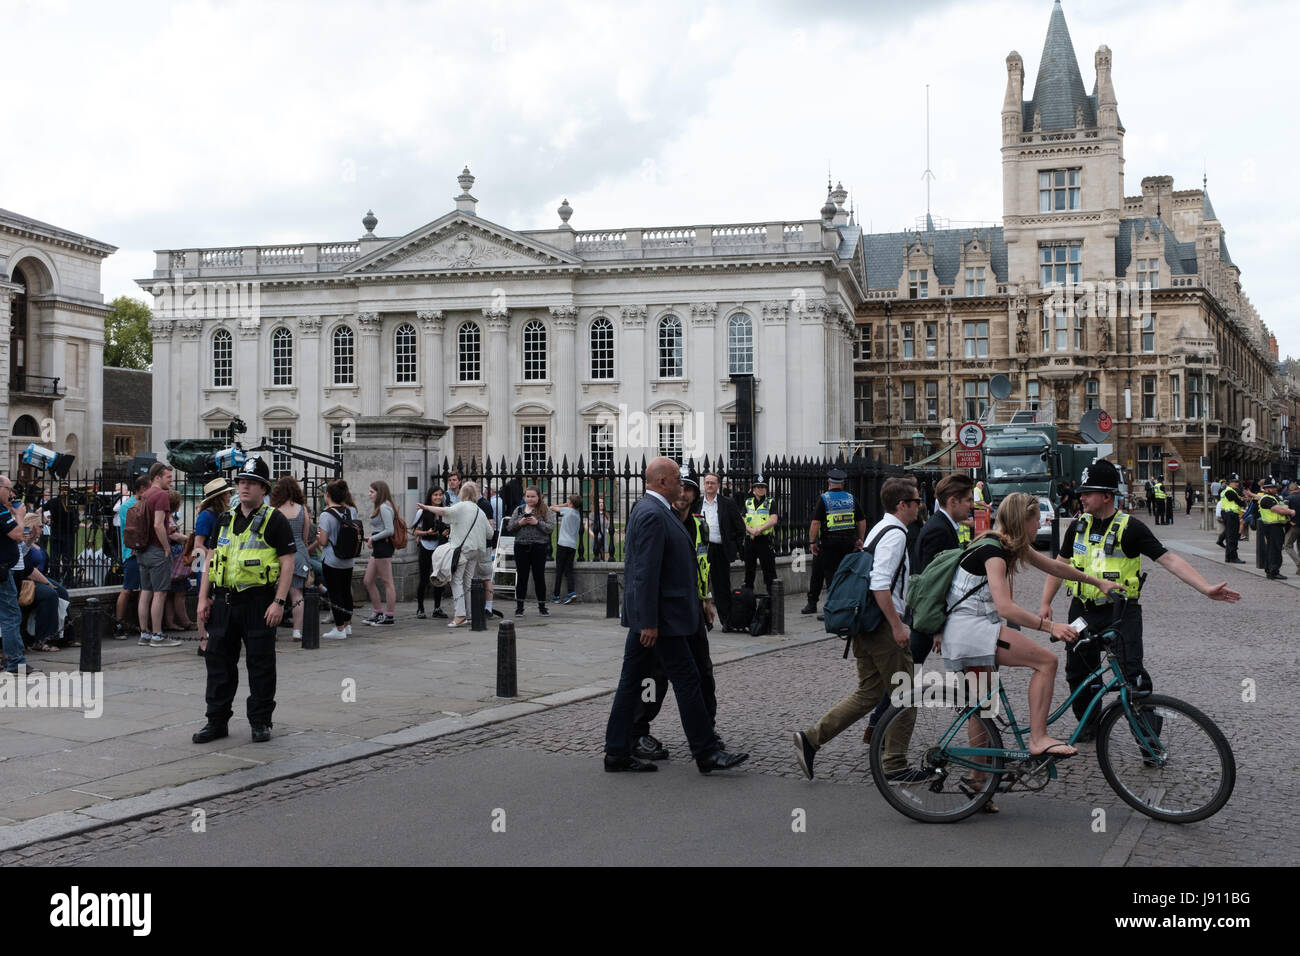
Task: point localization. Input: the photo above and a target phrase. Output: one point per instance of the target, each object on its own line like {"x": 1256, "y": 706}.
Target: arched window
{"x": 25, "y": 427}
{"x": 468, "y": 355}
{"x": 740, "y": 345}
{"x": 602, "y": 348}
{"x": 670, "y": 347}
{"x": 534, "y": 351}
{"x": 223, "y": 359}
{"x": 404, "y": 353}
{"x": 345, "y": 356}
{"x": 281, "y": 357}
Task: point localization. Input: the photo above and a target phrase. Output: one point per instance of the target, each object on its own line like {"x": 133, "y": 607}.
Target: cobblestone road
{"x": 1209, "y": 654}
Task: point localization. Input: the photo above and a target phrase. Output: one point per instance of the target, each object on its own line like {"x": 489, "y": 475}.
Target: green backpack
{"x": 927, "y": 592}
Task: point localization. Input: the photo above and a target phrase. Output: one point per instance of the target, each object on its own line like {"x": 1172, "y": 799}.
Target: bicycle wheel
{"x": 949, "y": 792}
{"x": 1189, "y": 776}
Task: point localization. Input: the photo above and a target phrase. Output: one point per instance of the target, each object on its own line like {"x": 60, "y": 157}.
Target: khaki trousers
{"x": 878, "y": 658}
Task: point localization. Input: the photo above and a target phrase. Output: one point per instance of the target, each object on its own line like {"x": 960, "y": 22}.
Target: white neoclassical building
{"x": 52, "y": 354}
{"x": 529, "y": 343}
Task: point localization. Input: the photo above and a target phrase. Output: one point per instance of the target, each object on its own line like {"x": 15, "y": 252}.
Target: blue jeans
{"x": 675, "y": 655}
{"x": 11, "y": 622}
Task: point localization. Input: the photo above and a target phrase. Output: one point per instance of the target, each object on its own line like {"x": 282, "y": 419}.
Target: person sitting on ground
{"x": 47, "y": 593}
{"x": 977, "y": 637}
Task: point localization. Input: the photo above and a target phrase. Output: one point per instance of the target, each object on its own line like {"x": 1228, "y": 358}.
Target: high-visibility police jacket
{"x": 701, "y": 555}
{"x": 840, "y": 508}
{"x": 1104, "y": 558}
{"x": 1227, "y": 504}
{"x": 246, "y": 560}
{"x": 1160, "y": 490}
{"x": 757, "y": 512}
{"x": 963, "y": 534}
{"x": 1266, "y": 513}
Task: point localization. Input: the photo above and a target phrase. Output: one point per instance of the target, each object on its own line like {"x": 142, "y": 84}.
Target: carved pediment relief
{"x": 462, "y": 249}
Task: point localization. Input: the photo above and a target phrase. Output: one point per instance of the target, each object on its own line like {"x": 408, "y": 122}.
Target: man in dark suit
{"x": 661, "y": 611}
{"x": 726, "y": 533}
{"x": 955, "y": 497}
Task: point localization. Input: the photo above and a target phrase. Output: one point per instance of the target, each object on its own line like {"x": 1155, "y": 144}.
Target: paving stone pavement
{"x": 1209, "y": 654}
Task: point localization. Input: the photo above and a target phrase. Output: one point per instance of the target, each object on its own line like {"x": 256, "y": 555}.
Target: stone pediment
{"x": 459, "y": 243}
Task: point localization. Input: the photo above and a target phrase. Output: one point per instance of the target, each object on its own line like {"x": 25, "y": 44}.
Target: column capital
{"x": 161, "y": 329}
{"x": 498, "y": 320}
{"x": 309, "y": 324}
{"x": 433, "y": 320}
{"x": 250, "y": 328}
{"x": 370, "y": 321}
{"x": 634, "y": 316}
{"x": 565, "y": 317}
{"x": 704, "y": 313}
{"x": 775, "y": 311}
{"x": 189, "y": 328}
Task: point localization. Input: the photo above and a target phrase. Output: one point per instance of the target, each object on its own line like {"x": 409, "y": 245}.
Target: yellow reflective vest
{"x": 1232, "y": 507}
{"x": 1266, "y": 513}
{"x": 757, "y": 512}
{"x": 246, "y": 560}
{"x": 1104, "y": 559}
{"x": 702, "y": 555}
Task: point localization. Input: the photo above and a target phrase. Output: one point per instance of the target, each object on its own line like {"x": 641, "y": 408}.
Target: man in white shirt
{"x": 884, "y": 652}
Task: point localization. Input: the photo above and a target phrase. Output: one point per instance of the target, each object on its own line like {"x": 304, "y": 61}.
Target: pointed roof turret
{"x": 1059, "y": 95}
{"x": 1207, "y": 207}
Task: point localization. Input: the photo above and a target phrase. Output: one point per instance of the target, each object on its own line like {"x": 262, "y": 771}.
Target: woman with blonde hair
{"x": 469, "y": 532}
{"x": 977, "y": 636}
{"x": 379, "y": 569}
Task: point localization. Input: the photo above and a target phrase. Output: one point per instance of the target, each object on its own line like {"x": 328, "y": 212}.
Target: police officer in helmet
{"x": 1273, "y": 515}
{"x": 760, "y": 519}
{"x": 242, "y": 599}
{"x": 1110, "y": 544}
{"x": 839, "y": 526}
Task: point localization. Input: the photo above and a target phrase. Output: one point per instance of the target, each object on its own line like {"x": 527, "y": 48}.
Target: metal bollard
{"x": 507, "y": 671}
{"x": 1261, "y": 546}
{"x": 311, "y": 618}
{"x": 777, "y": 593}
{"x": 91, "y": 659}
{"x": 611, "y": 595}
{"x": 477, "y": 611}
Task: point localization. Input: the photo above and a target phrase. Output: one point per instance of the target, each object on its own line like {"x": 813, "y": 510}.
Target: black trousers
{"x": 760, "y": 551}
{"x": 1273, "y": 535}
{"x": 425, "y": 557}
{"x": 1231, "y": 534}
{"x": 834, "y": 548}
{"x": 563, "y": 568}
{"x": 530, "y": 559}
{"x": 229, "y": 626}
{"x": 675, "y": 655}
{"x": 720, "y": 581}
{"x": 338, "y": 583}
{"x": 648, "y": 710}
{"x": 1127, "y": 650}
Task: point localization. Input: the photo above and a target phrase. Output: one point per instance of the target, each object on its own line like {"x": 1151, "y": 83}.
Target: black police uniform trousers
{"x": 1127, "y": 650}
{"x": 1273, "y": 534}
{"x": 834, "y": 548}
{"x": 759, "y": 551}
{"x": 648, "y": 710}
{"x": 242, "y": 620}
{"x": 1231, "y": 535}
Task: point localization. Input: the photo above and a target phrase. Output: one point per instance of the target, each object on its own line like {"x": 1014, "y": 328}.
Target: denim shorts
{"x": 131, "y": 574}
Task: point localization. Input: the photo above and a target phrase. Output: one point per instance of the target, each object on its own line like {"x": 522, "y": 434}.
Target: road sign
{"x": 1172, "y": 464}
{"x": 969, "y": 457}
{"x": 970, "y": 435}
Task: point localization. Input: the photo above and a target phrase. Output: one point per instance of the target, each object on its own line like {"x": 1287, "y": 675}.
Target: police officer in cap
{"x": 838, "y": 527}
{"x": 1273, "y": 515}
{"x": 760, "y": 519}
{"x": 1230, "y": 503}
{"x": 1110, "y": 544}
{"x": 242, "y": 599}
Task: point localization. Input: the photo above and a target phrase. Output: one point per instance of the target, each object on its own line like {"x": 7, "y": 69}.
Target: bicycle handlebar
{"x": 1118, "y": 599}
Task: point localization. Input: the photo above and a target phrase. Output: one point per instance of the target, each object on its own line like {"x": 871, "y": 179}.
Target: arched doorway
{"x": 25, "y": 427}
{"x": 18, "y": 330}
{"x": 25, "y": 430}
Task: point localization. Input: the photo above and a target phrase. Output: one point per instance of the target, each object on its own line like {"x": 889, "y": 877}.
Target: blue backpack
{"x": 1250, "y": 517}
{"x": 851, "y": 608}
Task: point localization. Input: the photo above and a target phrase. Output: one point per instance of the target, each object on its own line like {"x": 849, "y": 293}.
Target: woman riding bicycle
{"x": 977, "y": 637}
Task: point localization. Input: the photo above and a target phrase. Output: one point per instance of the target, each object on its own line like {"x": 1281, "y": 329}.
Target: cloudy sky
{"x": 159, "y": 125}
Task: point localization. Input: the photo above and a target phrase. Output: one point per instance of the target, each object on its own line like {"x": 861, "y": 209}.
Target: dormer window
{"x": 974, "y": 280}
{"x": 918, "y": 283}
{"x": 1058, "y": 190}
{"x": 1148, "y": 273}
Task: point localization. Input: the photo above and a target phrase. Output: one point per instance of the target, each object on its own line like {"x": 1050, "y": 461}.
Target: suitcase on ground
{"x": 743, "y": 605}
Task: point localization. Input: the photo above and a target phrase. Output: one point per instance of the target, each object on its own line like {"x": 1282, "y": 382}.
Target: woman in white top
{"x": 469, "y": 532}
{"x": 380, "y": 567}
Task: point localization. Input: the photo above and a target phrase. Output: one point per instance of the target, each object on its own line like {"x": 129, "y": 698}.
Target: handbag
{"x": 446, "y": 559}
{"x": 27, "y": 593}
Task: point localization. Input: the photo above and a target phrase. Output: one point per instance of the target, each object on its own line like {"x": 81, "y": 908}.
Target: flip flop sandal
{"x": 1051, "y": 752}
{"x": 971, "y": 788}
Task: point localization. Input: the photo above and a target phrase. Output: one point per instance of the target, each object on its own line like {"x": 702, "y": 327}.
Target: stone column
{"x": 186, "y": 400}
{"x": 371, "y": 364}
{"x": 567, "y": 442}
{"x": 701, "y": 334}
{"x": 4, "y": 371}
{"x": 433, "y": 325}
{"x": 95, "y": 389}
{"x": 635, "y": 363}
{"x": 806, "y": 434}
{"x": 499, "y": 440}
{"x": 403, "y": 452}
{"x": 164, "y": 391}
{"x": 772, "y": 431}
{"x": 312, "y": 430}
{"x": 249, "y": 369}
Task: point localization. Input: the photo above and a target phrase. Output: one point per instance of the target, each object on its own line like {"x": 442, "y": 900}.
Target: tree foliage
{"x": 128, "y": 343}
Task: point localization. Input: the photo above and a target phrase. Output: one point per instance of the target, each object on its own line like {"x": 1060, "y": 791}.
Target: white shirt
{"x": 891, "y": 549}
{"x": 660, "y": 498}
{"x": 710, "y": 510}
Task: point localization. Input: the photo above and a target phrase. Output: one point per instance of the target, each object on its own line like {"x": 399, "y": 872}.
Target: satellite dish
{"x": 1096, "y": 426}
{"x": 999, "y": 386}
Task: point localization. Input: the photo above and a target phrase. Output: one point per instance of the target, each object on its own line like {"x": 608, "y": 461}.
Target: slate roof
{"x": 1223, "y": 251}
{"x": 129, "y": 395}
{"x": 1181, "y": 256}
{"x": 1207, "y": 207}
{"x": 1058, "y": 89}
{"x": 885, "y": 251}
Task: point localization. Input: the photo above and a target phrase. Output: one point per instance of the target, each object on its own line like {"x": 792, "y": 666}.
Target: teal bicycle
{"x": 1161, "y": 755}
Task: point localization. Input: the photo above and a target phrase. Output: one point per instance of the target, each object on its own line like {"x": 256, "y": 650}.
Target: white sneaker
{"x": 162, "y": 640}
{"x": 334, "y": 634}
{"x": 145, "y": 639}
{"x": 297, "y": 635}
{"x": 347, "y": 629}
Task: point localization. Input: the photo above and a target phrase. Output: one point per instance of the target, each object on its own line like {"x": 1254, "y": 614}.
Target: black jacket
{"x": 732, "y": 525}
{"x": 937, "y": 536}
